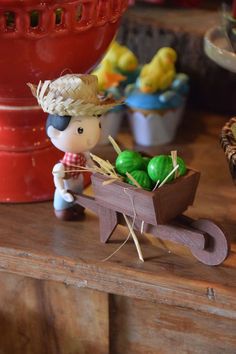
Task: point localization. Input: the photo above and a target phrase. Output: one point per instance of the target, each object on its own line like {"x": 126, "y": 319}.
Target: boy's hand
{"x": 67, "y": 196}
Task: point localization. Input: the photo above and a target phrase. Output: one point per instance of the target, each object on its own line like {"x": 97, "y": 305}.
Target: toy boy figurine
{"x": 73, "y": 125}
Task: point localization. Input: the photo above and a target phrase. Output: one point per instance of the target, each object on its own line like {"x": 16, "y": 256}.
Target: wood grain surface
{"x": 140, "y": 327}
{"x": 42, "y": 317}
{"x": 51, "y": 273}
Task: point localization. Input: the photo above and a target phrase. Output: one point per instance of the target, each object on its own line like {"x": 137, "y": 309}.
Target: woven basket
{"x": 228, "y": 143}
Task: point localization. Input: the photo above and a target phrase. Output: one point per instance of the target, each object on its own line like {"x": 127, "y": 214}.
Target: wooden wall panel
{"x": 42, "y": 317}
{"x": 141, "y": 327}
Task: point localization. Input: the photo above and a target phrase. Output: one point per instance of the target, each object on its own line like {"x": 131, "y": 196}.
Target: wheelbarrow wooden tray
{"x": 156, "y": 207}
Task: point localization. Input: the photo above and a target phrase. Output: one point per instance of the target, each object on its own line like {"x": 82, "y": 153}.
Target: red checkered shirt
{"x": 71, "y": 163}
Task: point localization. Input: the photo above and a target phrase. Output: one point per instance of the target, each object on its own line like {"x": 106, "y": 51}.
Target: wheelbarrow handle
{"x": 86, "y": 202}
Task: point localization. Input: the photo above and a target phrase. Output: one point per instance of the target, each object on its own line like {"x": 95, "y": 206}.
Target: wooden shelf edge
{"x": 96, "y": 276}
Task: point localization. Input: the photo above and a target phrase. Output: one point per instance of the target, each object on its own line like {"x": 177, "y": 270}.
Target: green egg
{"x": 128, "y": 161}
{"x": 159, "y": 167}
{"x": 146, "y": 161}
{"x": 142, "y": 178}
{"x": 182, "y": 167}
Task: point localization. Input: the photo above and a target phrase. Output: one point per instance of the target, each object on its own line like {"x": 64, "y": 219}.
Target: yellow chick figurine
{"x": 160, "y": 72}
{"x": 156, "y": 81}
{"x": 121, "y": 57}
{"x": 164, "y": 59}
{"x": 127, "y": 62}
{"x": 107, "y": 78}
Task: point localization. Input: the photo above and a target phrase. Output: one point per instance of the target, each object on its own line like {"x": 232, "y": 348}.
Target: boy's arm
{"x": 58, "y": 175}
{"x": 89, "y": 161}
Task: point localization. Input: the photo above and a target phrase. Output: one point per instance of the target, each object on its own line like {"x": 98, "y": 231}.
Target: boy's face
{"x": 81, "y": 135}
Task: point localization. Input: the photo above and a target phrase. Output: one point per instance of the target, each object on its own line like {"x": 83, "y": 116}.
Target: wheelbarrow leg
{"x": 107, "y": 223}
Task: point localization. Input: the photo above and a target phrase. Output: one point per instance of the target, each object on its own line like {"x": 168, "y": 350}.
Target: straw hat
{"x": 73, "y": 95}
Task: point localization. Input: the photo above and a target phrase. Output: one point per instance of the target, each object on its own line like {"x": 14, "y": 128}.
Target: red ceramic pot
{"x": 39, "y": 40}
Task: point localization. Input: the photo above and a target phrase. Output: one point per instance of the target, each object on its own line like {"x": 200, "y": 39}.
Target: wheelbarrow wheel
{"x": 217, "y": 244}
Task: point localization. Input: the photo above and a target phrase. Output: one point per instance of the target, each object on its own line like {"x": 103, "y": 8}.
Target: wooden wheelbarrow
{"x": 159, "y": 213}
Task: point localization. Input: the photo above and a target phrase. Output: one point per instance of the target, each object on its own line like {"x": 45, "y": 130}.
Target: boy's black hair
{"x": 58, "y": 122}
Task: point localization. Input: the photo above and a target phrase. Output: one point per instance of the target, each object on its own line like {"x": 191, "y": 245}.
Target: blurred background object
{"x": 39, "y": 41}
{"x": 184, "y": 3}
{"x": 147, "y": 27}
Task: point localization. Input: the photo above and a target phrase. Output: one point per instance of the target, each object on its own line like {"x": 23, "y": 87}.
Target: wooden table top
{"x": 35, "y": 244}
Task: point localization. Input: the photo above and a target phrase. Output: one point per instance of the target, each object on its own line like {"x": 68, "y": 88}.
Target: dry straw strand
{"x": 134, "y": 238}
{"x": 171, "y": 173}
{"x": 114, "y": 144}
{"x": 133, "y": 180}
{"x": 174, "y": 161}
